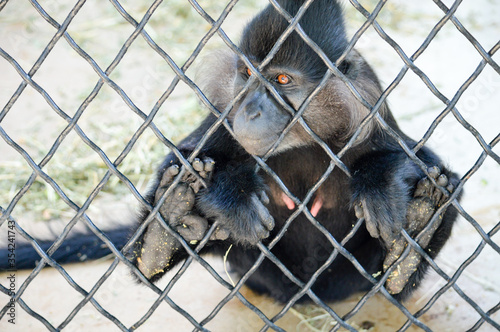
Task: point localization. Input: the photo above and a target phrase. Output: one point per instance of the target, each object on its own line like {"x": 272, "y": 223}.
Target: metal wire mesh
{"x": 113, "y": 165}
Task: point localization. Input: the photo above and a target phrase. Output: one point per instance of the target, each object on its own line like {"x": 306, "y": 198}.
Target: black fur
{"x": 326, "y": 30}
{"x": 381, "y": 188}
{"x": 78, "y": 248}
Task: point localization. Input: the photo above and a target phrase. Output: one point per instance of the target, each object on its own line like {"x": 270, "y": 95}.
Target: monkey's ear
{"x": 352, "y": 64}
{"x": 216, "y": 75}
{"x": 344, "y": 109}
{"x": 344, "y": 67}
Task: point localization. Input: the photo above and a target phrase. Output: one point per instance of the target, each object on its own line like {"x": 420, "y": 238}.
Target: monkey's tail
{"x": 77, "y": 248}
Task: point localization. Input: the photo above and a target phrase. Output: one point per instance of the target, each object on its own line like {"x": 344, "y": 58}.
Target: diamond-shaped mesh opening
{"x": 111, "y": 88}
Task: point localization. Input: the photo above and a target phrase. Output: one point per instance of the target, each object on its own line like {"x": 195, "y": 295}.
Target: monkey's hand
{"x": 381, "y": 196}
{"x": 236, "y": 199}
{"x": 157, "y": 247}
{"x": 426, "y": 200}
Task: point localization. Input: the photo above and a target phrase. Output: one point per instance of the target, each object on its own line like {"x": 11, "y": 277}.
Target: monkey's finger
{"x": 445, "y": 196}
{"x": 370, "y": 225}
{"x": 442, "y": 180}
{"x": 265, "y": 217}
{"x": 400, "y": 276}
{"x": 267, "y": 220}
{"x": 263, "y": 197}
{"x": 208, "y": 167}
{"x": 372, "y": 229}
{"x": 156, "y": 250}
{"x": 358, "y": 211}
{"x": 165, "y": 181}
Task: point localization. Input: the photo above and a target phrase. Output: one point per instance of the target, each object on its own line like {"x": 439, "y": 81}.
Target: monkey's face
{"x": 258, "y": 119}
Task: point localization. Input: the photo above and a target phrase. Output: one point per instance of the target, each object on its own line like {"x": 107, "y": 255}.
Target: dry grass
{"x": 75, "y": 167}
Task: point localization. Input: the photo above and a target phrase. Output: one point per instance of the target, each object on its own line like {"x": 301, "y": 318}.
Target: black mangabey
{"x": 386, "y": 187}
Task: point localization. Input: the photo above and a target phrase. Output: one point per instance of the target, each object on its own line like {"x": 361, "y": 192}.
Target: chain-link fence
{"x": 137, "y": 101}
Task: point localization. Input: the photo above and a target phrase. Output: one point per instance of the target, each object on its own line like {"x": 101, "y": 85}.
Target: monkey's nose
{"x": 252, "y": 115}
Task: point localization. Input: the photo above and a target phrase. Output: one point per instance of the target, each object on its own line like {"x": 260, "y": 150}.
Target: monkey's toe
{"x": 166, "y": 180}
{"x": 192, "y": 228}
{"x": 425, "y": 187}
{"x": 204, "y": 168}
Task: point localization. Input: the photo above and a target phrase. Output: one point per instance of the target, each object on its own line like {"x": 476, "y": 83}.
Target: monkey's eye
{"x": 249, "y": 73}
{"x": 283, "y": 79}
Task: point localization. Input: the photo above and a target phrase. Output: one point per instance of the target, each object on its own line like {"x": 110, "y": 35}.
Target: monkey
{"x": 248, "y": 207}
{"x": 386, "y": 187}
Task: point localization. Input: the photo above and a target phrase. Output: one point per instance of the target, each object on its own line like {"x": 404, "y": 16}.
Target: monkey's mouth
{"x": 258, "y": 146}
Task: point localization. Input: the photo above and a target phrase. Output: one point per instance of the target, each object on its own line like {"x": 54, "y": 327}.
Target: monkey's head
{"x": 333, "y": 114}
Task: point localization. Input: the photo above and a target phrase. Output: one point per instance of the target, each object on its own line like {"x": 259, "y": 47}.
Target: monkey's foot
{"x": 426, "y": 200}
{"x": 158, "y": 245}
{"x": 181, "y": 200}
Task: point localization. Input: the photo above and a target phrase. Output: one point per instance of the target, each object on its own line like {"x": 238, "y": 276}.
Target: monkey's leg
{"x": 158, "y": 246}
{"x": 427, "y": 199}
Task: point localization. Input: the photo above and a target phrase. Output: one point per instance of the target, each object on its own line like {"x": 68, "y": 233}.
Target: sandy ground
{"x": 449, "y": 61}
